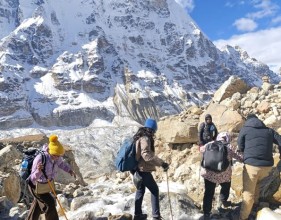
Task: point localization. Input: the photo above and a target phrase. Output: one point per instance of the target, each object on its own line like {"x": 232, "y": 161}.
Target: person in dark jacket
{"x": 207, "y": 131}
{"x": 256, "y": 141}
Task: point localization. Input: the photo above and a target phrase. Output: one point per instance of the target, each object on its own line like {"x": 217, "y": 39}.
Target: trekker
{"x": 256, "y": 141}
{"x": 38, "y": 185}
{"x": 211, "y": 178}
{"x": 147, "y": 160}
{"x": 207, "y": 131}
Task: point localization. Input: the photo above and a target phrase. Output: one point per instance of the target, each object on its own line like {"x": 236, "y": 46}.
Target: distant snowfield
{"x": 93, "y": 146}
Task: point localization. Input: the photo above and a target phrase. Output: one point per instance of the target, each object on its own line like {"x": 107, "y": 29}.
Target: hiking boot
{"x": 158, "y": 218}
{"x": 225, "y": 204}
{"x": 206, "y": 216}
{"x": 140, "y": 217}
{"x": 235, "y": 214}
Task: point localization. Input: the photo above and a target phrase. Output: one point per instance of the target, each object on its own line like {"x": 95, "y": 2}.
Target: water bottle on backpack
{"x": 24, "y": 169}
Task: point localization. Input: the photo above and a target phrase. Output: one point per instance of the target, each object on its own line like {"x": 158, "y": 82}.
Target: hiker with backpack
{"x": 256, "y": 141}
{"x": 216, "y": 169}
{"x": 207, "y": 131}
{"x": 147, "y": 160}
{"x": 41, "y": 179}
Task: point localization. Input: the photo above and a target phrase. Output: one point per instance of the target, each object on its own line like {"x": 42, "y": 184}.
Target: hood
{"x": 254, "y": 122}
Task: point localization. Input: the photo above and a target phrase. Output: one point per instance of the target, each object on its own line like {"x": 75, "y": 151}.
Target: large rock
{"x": 66, "y": 178}
{"x": 11, "y": 186}
{"x": 228, "y": 88}
{"x": 273, "y": 121}
{"x": 173, "y": 130}
{"x": 8, "y": 155}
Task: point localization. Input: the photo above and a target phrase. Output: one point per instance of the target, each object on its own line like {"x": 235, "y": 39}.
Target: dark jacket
{"x": 207, "y": 133}
{"x": 256, "y": 141}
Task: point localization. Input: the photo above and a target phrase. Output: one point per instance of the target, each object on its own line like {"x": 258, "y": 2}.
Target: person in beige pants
{"x": 255, "y": 140}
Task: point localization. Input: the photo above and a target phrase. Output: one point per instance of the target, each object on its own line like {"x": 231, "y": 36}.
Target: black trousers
{"x": 43, "y": 203}
{"x": 147, "y": 182}
{"x": 209, "y": 194}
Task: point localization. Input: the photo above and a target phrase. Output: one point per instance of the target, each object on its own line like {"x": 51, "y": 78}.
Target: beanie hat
{"x": 151, "y": 123}
{"x": 55, "y": 147}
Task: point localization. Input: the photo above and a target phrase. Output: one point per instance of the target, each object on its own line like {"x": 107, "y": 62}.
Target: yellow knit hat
{"x": 55, "y": 147}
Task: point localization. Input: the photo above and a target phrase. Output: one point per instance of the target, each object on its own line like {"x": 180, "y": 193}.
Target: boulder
{"x": 11, "y": 186}
{"x": 273, "y": 121}
{"x": 263, "y": 107}
{"x": 174, "y": 130}
{"x": 8, "y": 155}
{"x": 228, "y": 88}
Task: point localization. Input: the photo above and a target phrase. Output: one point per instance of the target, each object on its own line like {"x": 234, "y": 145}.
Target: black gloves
{"x": 165, "y": 166}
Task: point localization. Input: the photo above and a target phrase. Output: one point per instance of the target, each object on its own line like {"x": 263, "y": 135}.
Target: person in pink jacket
{"x": 212, "y": 178}
{"x": 45, "y": 203}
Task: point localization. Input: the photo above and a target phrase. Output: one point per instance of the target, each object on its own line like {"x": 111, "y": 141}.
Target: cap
{"x": 151, "y": 123}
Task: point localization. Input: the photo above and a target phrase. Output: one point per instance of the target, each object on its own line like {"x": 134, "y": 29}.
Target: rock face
{"x": 173, "y": 130}
{"x": 106, "y": 59}
{"x": 176, "y": 143}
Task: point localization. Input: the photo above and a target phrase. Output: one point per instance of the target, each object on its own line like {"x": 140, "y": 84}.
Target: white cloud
{"x": 245, "y": 24}
{"x": 231, "y": 4}
{"x": 266, "y": 8}
{"x": 264, "y": 45}
{"x": 276, "y": 20}
{"x": 187, "y": 4}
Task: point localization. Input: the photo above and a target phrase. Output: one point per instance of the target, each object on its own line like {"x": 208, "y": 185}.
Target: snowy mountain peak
{"x": 67, "y": 63}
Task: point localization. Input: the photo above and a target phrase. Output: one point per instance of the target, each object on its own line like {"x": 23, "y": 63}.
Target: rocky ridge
{"x": 178, "y": 147}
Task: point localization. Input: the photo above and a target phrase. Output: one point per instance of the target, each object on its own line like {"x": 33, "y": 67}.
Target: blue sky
{"x": 254, "y": 25}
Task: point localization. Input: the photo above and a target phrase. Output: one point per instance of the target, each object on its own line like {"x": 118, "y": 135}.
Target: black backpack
{"x": 215, "y": 157}
{"x": 25, "y": 171}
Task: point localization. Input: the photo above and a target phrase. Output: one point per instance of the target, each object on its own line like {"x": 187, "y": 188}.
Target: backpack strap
{"x": 43, "y": 159}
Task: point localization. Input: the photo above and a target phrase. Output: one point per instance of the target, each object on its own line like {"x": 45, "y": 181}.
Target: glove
{"x": 72, "y": 173}
{"x": 165, "y": 166}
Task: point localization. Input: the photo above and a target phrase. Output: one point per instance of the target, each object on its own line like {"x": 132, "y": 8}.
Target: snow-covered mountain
{"x": 69, "y": 62}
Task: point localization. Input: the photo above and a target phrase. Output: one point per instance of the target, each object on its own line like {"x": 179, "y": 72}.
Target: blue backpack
{"x": 25, "y": 171}
{"x": 27, "y": 161}
{"x": 126, "y": 156}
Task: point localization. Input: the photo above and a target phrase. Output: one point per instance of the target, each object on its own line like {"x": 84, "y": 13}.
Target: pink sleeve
{"x": 234, "y": 154}
{"x": 35, "y": 173}
{"x": 63, "y": 165}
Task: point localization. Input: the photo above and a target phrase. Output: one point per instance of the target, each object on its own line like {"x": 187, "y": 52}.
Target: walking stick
{"x": 169, "y": 195}
{"x": 53, "y": 191}
{"x": 198, "y": 188}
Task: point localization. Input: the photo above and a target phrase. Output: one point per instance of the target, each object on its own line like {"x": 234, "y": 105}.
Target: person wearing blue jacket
{"x": 255, "y": 140}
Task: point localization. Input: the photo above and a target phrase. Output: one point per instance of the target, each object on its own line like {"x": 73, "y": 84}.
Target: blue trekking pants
{"x": 148, "y": 182}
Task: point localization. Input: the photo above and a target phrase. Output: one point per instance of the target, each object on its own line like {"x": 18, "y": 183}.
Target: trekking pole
{"x": 169, "y": 195}
{"x": 198, "y": 188}
{"x": 53, "y": 191}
